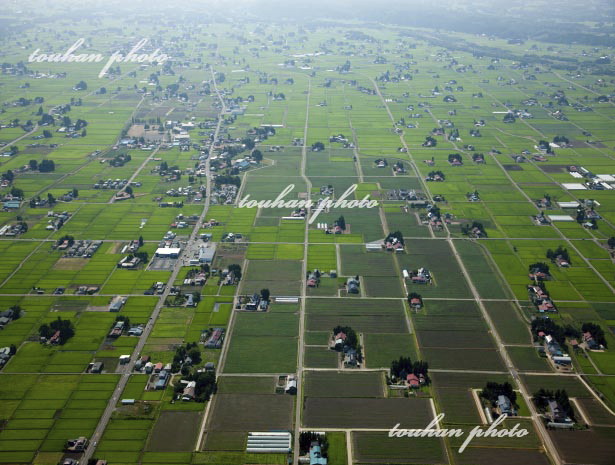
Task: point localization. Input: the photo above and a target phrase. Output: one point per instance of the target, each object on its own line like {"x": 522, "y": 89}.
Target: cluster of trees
{"x": 466, "y": 229}
{"x": 249, "y": 143}
{"x": 453, "y": 135}
{"x": 80, "y": 124}
{"x": 45, "y": 166}
{"x": 492, "y": 390}
{"x": 596, "y": 331}
{"x": 18, "y": 311}
{"x": 24, "y": 226}
{"x": 581, "y": 217}
{"x": 227, "y": 179}
{"x": 163, "y": 167}
{"x": 191, "y": 349}
{"x": 341, "y": 222}
{"x": 395, "y": 235}
{"x": 455, "y": 156}
{"x": 70, "y": 239}
{"x": 307, "y": 437}
{"x": 414, "y": 295}
{"x": 262, "y": 132}
{"x": 509, "y": 118}
{"x": 81, "y": 85}
{"x": 559, "y": 252}
{"x": 539, "y": 267}
{"x": 205, "y": 385}
{"x": 611, "y": 242}
{"x": 345, "y": 68}
{"x": 125, "y": 319}
{"x": 430, "y": 142}
{"x": 16, "y": 192}
{"x": 143, "y": 256}
{"x": 46, "y": 120}
{"x": 265, "y": 294}
{"x": 405, "y": 366}
{"x": 557, "y": 332}
{"x": 8, "y": 176}
{"x": 65, "y": 327}
{"x": 544, "y": 145}
{"x": 24, "y": 102}
{"x": 561, "y": 140}
{"x": 399, "y": 166}
{"x": 542, "y": 397}
{"x": 121, "y": 159}
{"x": 13, "y": 150}
{"x": 257, "y": 155}
{"x": 318, "y": 146}
{"x": 352, "y": 340}
{"x": 236, "y": 270}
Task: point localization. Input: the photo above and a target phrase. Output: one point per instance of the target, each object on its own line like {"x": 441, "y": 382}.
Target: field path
{"x": 537, "y": 420}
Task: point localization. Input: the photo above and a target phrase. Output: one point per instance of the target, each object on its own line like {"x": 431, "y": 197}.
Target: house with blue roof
{"x": 316, "y": 457}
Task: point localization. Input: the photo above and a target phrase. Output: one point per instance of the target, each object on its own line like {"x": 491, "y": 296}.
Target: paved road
{"x": 128, "y": 368}
{"x": 301, "y": 351}
{"x": 229, "y": 327}
{"x": 135, "y": 174}
{"x": 501, "y": 347}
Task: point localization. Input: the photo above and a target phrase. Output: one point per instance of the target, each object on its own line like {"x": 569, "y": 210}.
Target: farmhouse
{"x": 55, "y": 338}
{"x": 5, "y": 355}
{"x": 352, "y": 286}
{"x": 117, "y": 303}
{"x": 215, "y": 339}
{"x": 413, "y": 381}
{"x": 555, "y": 352}
{"x": 96, "y": 367}
{"x": 394, "y": 244}
{"x": 590, "y": 342}
{"x": 557, "y": 416}
{"x": 505, "y": 406}
{"x": 76, "y": 445}
{"x": 316, "y": 457}
{"x": 421, "y": 276}
{"x": 117, "y": 329}
{"x": 189, "y": 391}
{"x": 350, "y": 357}
{"x": 163, "y": 379}
{"x": 291, "y": 385}
{"x": 129, "y": 262}
{"x": 253, "y": 303}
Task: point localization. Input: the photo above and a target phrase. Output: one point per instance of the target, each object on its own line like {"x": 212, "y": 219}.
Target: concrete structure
{"x": 168, "y": 252}
{"x": 206, "y": 254}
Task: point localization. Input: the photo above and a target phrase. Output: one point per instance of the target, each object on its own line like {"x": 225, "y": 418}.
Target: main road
{"x": 127, "y": 369}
